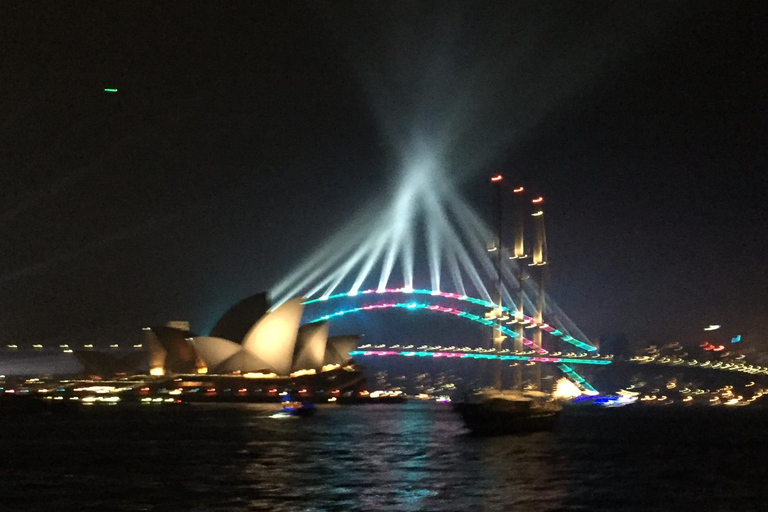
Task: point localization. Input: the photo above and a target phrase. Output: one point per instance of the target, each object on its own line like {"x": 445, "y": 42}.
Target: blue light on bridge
{"x": 578, "y": 379}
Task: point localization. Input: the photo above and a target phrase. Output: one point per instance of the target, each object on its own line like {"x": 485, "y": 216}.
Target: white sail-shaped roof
{"x": 337, "y": 348}
{"x": 243, "y": 362}
{"x": 157, "y": 352}
{"x": 214, "y": 351}
{"x": 310, "y": 346}
{"x": 273, "y": 337}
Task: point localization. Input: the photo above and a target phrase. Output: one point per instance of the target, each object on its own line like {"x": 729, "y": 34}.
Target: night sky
{"x": 244, "y": 134}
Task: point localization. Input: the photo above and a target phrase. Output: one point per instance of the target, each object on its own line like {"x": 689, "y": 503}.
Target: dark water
{"x": 408, "y": 457}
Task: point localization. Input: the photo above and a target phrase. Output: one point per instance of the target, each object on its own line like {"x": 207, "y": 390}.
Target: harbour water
{"x": 398, "y": 457}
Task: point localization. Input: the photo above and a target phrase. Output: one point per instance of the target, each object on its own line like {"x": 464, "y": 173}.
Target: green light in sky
{"x": 110, "y": 90}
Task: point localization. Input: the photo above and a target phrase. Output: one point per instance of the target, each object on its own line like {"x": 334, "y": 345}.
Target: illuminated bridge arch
{"x": 569, "y": 372}
{"x": 430, "y": 307}
{"x": 529, "y": 321}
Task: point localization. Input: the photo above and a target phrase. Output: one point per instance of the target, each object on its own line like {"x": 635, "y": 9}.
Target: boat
{"x": 491, "y": 411}
{"x": 300, "y": 409}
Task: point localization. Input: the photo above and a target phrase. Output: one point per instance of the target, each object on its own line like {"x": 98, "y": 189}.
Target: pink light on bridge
{"x": 530, "y": 343}
{"x": 380, "y": 353}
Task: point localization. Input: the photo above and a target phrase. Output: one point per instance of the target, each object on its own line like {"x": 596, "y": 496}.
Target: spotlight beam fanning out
{"x": 454, "y": 121}
{"x": 348, "y": 265}
{"x": 368, "y": 266}
{"x": 331, "y": 252}
{"x": 448, "y": 229}
{"x": 453, "y": 264}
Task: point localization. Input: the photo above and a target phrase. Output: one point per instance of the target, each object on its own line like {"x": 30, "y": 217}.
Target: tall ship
{"x": 493, "y": 410}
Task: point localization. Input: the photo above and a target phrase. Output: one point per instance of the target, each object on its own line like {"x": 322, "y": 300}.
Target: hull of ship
{"x": 483, "y": 419}
{"x": 498, "y": 412}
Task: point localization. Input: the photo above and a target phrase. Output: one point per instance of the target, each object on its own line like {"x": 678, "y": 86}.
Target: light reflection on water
{"x": 409, "y": 457}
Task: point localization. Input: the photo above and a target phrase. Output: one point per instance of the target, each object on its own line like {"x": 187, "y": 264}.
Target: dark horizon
{"x": 241, "y": 137}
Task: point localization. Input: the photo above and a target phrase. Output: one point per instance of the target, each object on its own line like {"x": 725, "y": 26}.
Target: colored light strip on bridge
{"x": 431, "y": 307}
{"x": 434, "y": 293}
{"x": 577, "y": 379}
{"x": 464, "y": 355}
{"x": 528, "y": 320}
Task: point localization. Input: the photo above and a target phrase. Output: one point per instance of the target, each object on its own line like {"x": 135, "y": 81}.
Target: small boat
{"x": 491, "y": 411}
{"x": 299, "y": 409}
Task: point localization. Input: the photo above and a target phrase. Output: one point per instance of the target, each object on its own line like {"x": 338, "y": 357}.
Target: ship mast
{"x": 540, "y": 264}
{"x": 498, "y": 335}
{"x": 519, "y": 255}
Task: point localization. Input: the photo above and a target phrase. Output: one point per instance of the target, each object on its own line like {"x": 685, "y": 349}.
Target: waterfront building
{"x": 247, "y": 340}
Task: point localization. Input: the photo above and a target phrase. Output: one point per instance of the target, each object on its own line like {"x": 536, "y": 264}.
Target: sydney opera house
{"x": 250, "y": 350}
